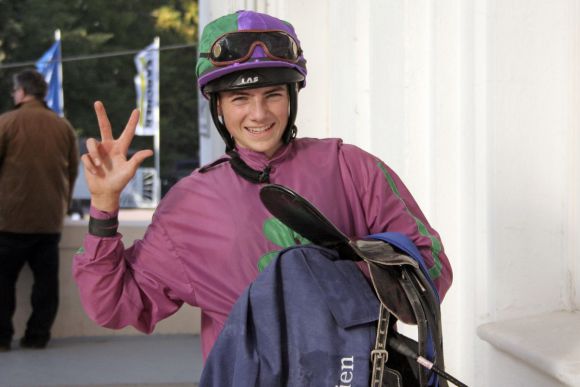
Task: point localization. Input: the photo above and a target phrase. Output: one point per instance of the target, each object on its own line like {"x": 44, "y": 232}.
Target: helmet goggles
{"x": 237, "y": 47}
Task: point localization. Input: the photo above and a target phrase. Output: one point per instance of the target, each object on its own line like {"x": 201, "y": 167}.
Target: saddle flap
{"x": 382, "y": 253}
{"x": 385, "y": 268}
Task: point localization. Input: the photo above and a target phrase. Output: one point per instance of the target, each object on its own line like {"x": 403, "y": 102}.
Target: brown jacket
{"x": 38, "y": 166}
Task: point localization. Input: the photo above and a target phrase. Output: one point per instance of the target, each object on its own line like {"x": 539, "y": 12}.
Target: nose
{"x": 258, "y": 109}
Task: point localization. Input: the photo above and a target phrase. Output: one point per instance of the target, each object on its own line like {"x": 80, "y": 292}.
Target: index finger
{"x": 104, "y": 124}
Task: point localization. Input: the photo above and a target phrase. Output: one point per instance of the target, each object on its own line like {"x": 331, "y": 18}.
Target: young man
{"x": 211, "y": 235}
{"x": 38, "y": 166}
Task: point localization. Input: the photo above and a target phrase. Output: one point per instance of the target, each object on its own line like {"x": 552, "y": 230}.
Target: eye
{"x": 275, "y": 94}
{"x": 238, "y": 99}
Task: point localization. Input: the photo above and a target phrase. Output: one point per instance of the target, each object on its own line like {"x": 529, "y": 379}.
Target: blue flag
{"x": 50, "y": 66}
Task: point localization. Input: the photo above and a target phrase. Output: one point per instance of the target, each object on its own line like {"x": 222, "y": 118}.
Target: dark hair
{"x": 32, "y": 82}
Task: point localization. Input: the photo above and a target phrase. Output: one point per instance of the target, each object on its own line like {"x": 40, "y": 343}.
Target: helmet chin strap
{"x": 291, "y": 129}
{"x": 223, "y": 131}
{"x": 244, "y": 170}
{"x": 238, "y": 165}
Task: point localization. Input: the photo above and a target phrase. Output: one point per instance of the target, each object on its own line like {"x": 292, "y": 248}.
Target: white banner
{"x": 147, "y": 88}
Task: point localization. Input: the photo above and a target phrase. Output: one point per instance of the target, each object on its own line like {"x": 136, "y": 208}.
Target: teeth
{"x": 258, "y": 129}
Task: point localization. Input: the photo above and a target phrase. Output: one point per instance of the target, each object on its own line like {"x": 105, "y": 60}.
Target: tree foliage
{"x": 105, "y": 26}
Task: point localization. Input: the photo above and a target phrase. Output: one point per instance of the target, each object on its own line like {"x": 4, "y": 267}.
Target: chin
{"x": 268, "y": 150}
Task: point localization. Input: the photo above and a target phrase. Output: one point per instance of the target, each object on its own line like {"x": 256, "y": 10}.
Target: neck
{"x": 27, "y": 98}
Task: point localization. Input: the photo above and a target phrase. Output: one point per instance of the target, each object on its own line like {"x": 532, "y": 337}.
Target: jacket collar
{"x": 35, "y": 103}
{"x": 259, "y": 161}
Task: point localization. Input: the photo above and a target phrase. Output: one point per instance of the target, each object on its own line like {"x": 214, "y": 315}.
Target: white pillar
{"x": 475, "y": 104}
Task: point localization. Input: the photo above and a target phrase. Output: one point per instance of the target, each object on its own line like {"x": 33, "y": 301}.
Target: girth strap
{"x": 379, "y": 355}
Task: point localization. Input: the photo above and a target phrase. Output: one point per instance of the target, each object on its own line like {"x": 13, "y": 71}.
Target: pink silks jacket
{"x": 211, "y": 235}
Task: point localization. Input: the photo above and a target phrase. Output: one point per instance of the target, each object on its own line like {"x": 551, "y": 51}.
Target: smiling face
{"x": 256, "y": 118}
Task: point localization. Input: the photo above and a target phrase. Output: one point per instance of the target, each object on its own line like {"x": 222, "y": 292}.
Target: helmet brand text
{"x": 249, "y": 80}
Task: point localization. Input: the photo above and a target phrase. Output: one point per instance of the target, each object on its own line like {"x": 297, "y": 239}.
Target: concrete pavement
{"x": 121, "y": 361}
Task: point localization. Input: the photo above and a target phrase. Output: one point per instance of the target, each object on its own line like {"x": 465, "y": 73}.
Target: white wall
{"x": 475, "y": 104}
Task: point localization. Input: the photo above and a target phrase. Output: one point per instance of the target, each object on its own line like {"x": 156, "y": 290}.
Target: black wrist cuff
{"x": 103, "y": 227}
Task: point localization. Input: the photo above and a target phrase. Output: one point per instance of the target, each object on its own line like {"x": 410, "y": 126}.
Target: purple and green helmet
{"x": 246, "y": 50}
{"x": 248, "y": 40}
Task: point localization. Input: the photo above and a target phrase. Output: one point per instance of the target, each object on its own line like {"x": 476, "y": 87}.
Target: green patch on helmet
{"x": 211, "y": 32}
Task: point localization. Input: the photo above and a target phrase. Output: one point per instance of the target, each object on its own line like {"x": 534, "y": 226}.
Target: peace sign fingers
{"x": 106, "y": 162}
{"x": 104, "y": 124}
{"x": 129, "y": 132}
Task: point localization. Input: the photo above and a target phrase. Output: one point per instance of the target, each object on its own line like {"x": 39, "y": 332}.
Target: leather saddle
{"x": 399, "y": 278}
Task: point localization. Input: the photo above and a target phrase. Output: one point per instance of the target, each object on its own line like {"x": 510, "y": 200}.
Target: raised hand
{"x": 107, "y": 169}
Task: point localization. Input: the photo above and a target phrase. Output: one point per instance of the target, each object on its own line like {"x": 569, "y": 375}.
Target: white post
{"x": 156, "y": 136}
{"x": 60, "y": 92}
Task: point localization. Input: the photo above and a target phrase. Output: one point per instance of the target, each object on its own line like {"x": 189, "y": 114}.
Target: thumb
{"x": 139, "y": 157}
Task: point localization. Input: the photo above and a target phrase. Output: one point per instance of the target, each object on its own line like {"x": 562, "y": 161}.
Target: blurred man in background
{"x": 38, "y": 167}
